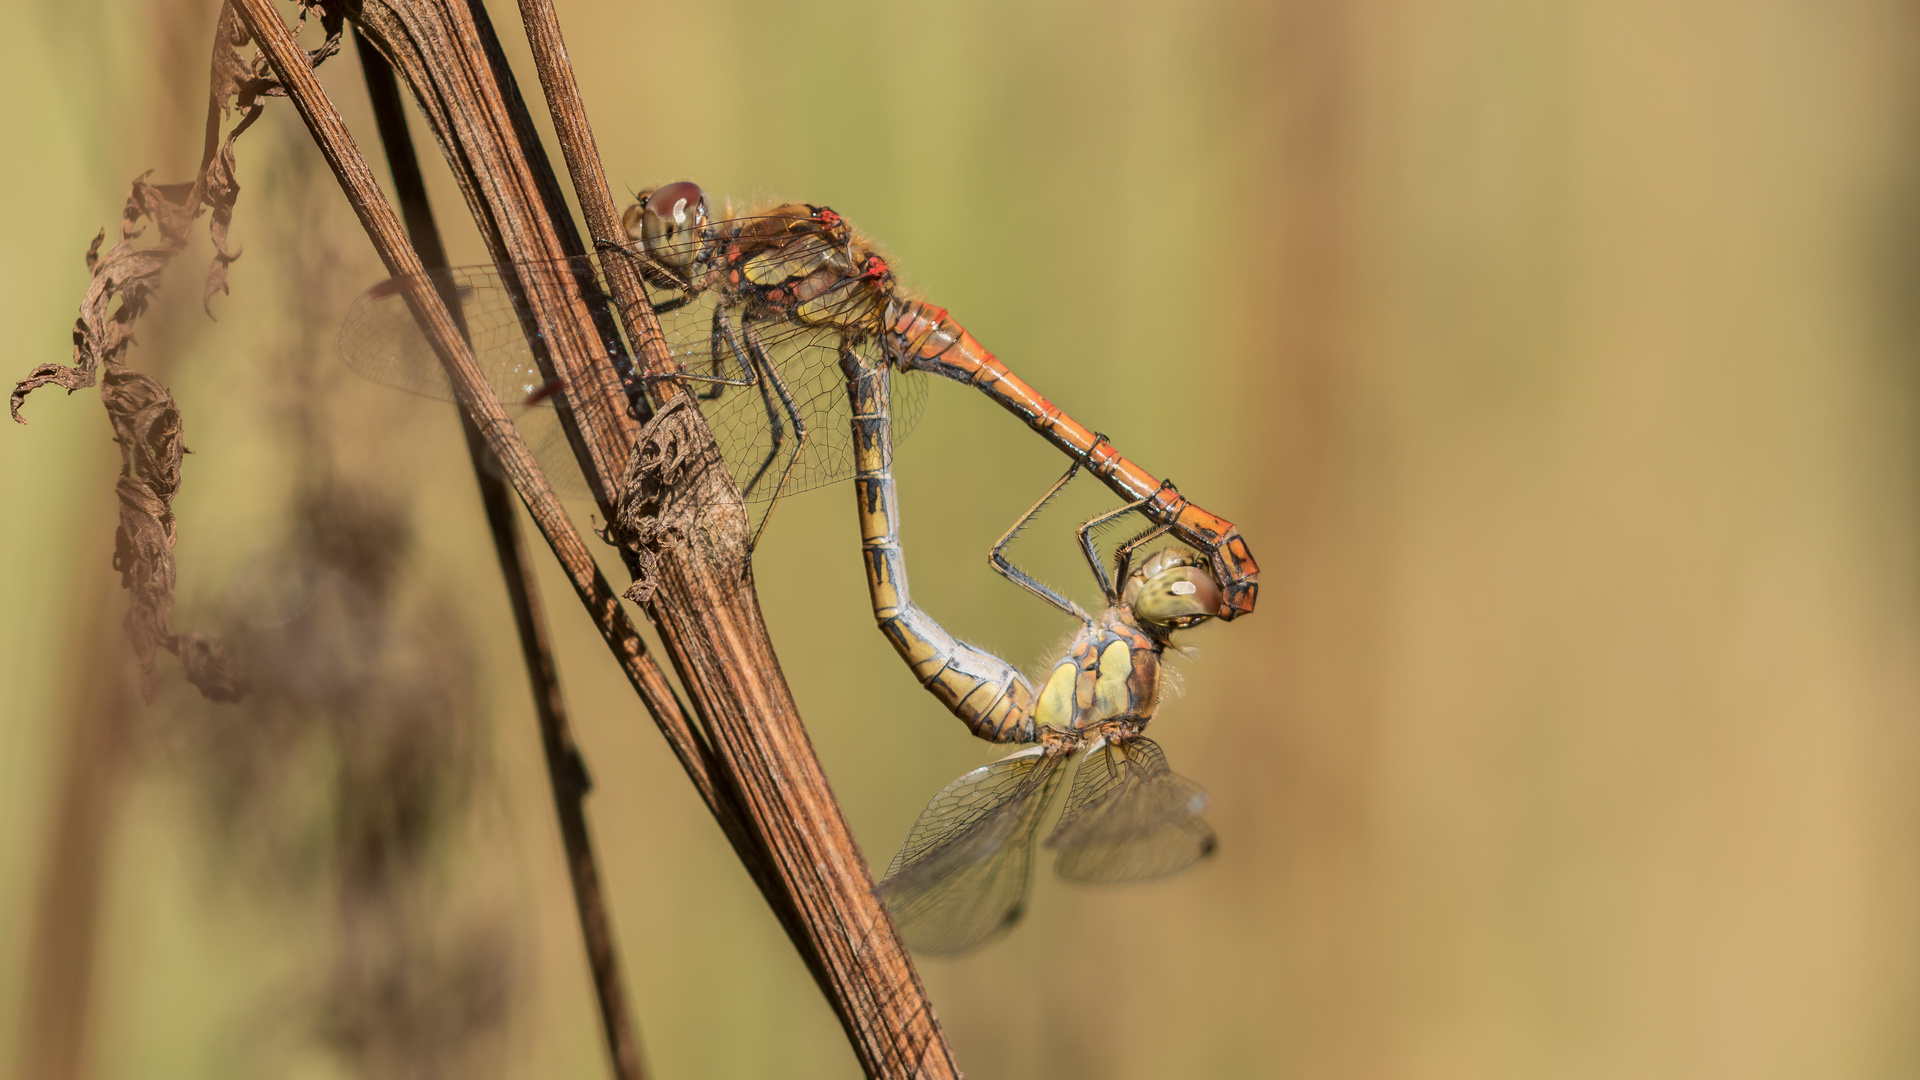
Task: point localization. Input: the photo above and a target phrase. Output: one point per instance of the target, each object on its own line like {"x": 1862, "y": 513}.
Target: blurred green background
{"x": 1555, "y": 359}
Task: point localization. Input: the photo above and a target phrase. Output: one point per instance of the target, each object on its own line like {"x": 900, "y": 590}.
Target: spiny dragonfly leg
{"x": 771, "y": 377}
{"x": 1122, "y": 555}
{"x": 753, "y": 357}
{"x": 923, "y": 337}
{"x": 997, "y": 557}
{"x": 721, "y": 343}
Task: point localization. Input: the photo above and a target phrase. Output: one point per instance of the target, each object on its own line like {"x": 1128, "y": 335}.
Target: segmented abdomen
{"x": 984, "y": 691}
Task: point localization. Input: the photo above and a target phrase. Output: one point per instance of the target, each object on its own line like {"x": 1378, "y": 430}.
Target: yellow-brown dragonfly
{"x": 767, "y": 312}
{"x": 961, "y": 877}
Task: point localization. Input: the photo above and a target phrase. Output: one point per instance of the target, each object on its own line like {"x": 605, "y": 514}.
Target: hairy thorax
{"x": 1110, "y": 672}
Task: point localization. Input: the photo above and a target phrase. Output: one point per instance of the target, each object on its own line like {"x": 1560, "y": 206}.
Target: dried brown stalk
{"x": 566, "y": 768}
{"x": 528, "y": 147}
{"x": 798, "y": 845}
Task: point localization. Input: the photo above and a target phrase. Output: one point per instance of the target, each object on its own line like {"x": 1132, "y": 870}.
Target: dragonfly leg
{"x": 923, "y": 337}
{"x": 997, "y": 557}
{"x": 758, "y": 351}
{"x": 650, "y": 271}
{"x": 666, "y": 306}
{"x": 721, "y": 343}
{"x": 753, "y": 359}
{"x": 1123, "y": 555}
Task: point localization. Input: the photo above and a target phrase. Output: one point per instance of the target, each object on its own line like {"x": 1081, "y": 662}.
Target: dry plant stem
{"x": 61, "y": 959}
{"x": 708, "y": 614}
{"x": 363, "y": 193}
{"x": 438, "y": 49}
{"x": 356, "y": 179}
{"x": 590, "y": 185}
{"x": 754, "y": 724}
{"x": 566, "y": 768}
{"x": 453, "y": 62}
{"x": 478, "y": 125}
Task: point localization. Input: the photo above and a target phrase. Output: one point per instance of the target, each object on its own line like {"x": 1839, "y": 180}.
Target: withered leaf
{"x": 146, "y": 422}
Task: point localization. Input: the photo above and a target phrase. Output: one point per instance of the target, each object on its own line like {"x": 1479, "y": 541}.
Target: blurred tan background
{"x": 1555, "y": 359}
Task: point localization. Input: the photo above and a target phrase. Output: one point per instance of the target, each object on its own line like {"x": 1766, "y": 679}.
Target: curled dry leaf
{"x": 649, "y": 516}
{"x": 146, "y": 422}
{"x": 103, "y": 331}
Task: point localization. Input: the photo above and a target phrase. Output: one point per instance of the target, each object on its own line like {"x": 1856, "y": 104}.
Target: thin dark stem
{"x": 566, "y": 768}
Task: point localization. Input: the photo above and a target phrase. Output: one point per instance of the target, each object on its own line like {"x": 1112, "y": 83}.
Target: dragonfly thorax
{"x": 1110, "y": 672}
{"x": 794, "y": 262}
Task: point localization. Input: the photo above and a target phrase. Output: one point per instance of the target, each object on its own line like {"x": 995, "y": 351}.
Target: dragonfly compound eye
{"x": 670, "y": 222}
{"x": 1169, "y": 590}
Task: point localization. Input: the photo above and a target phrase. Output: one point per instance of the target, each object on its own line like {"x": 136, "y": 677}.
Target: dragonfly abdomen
{"x": 984, "y": 691}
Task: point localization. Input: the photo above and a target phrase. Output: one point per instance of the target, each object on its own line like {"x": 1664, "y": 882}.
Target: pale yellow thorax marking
{"x": 1056, "y": 698}
{"x": 1111, "y": 697}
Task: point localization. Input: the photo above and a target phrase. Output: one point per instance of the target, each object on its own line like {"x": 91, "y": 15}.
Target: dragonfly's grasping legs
{"x": 997, "y": 558}
{"x": 665, "y": 307}
{"x": 923, "y": 337}
{"x": 754, "y": 358}
{"x": 1123, "y": 555}
{"x": 720, "y": 343}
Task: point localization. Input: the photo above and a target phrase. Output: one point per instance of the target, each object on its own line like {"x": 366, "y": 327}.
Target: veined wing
{"x": 960, "y": 880}
{"x": 754, "y": 423}
{"x": 1129, "y": 818}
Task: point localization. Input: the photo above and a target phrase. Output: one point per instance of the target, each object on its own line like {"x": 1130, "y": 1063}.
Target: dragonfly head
{"x": 672, "y": 222}
{"x": 1171, "y": 591}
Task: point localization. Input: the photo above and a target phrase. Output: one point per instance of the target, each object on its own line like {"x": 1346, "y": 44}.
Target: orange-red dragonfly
{"x": 766, "y": 313}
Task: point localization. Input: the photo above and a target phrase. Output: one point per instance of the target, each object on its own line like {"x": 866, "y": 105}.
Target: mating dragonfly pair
{"x": 805, "y": 358}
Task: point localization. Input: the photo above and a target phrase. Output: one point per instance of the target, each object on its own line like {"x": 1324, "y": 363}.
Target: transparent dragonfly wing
{"x": 960, "y": 880}
{"x": 1129, "y": 818}
{"x": 758, "y": 426}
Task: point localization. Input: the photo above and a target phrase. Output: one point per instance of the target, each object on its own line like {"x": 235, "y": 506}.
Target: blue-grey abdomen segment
{"x": 984, "y": 691}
